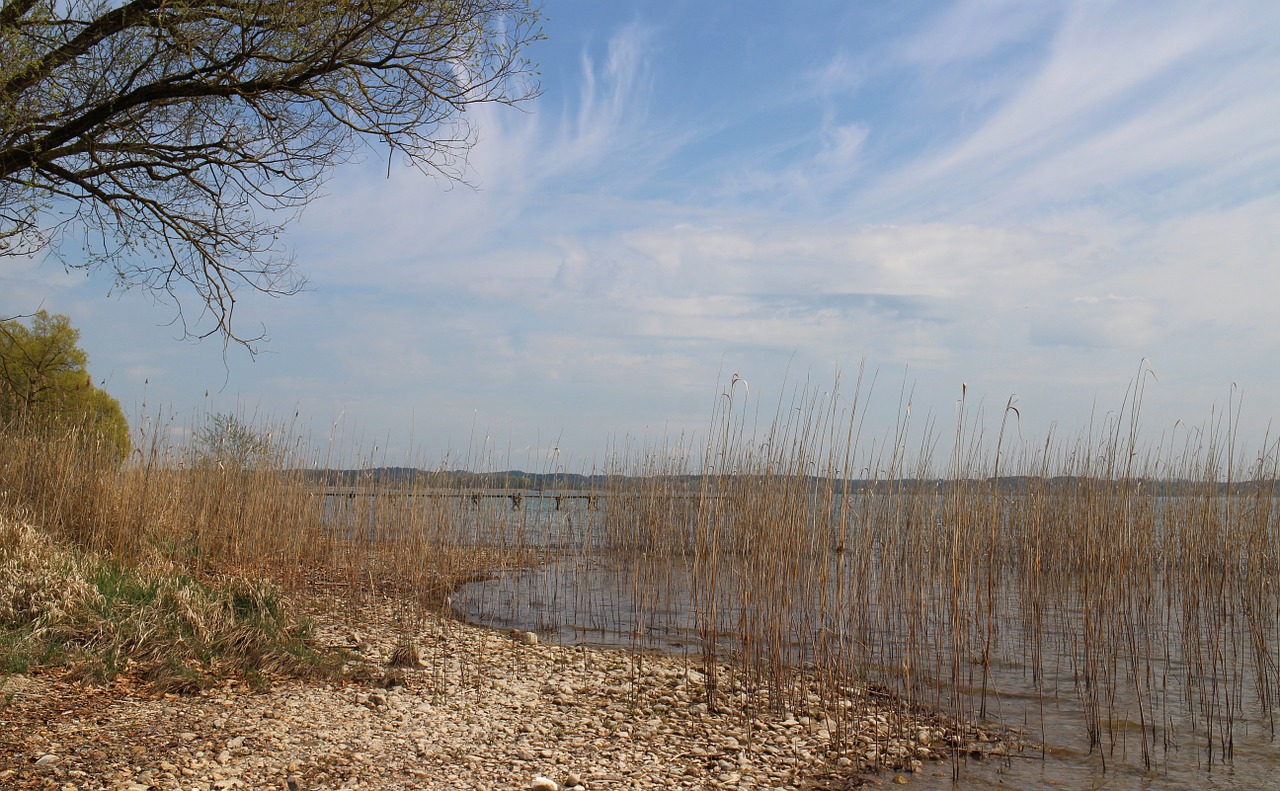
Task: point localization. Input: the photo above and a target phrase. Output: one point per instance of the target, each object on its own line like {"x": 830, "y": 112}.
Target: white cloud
{"x": 611, "y": 97}
{"x": 1116, "y": 204}
{"x": 976, "y": 28}
{"x": 1125, "y": 94}
{"x": 840, "y": 147}
{"x": 840, "y": 75}
{"x": 1096, "y": 322}
{"x": 391, "y": 223}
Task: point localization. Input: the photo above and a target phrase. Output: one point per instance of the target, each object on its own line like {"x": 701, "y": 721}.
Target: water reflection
{"x": 1130, "y": 652}
{"x": 1035, "y": 680}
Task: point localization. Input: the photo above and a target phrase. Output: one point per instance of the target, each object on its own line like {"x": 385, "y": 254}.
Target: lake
{"x": 1145, "y": 675}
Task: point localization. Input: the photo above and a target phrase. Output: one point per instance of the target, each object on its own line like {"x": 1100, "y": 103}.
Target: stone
{"x": 485, "y": 715}
{"x": 46, "y": 760}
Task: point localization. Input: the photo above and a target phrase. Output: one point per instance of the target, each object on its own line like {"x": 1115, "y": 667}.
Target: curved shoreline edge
{"x": 482, "y": 710}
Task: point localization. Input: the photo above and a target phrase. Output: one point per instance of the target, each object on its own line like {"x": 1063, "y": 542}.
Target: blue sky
{"x": 1026, "y": 198}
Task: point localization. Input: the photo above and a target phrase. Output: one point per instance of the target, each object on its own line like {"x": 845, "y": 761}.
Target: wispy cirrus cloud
{"x": 392, "y": 219}
{"x": 974, "y": 29}
{"x": 841, "y": 75}
{"x": 1126, "y": 98}
{"x": 1030, "y": 198}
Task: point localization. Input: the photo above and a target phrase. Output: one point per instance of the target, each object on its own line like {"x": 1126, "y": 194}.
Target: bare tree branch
{"x": 181, "y": 137}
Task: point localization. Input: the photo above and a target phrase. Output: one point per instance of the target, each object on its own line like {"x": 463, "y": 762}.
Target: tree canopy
{"x": 172, "y": 140}
{"x": 45, "y": 382}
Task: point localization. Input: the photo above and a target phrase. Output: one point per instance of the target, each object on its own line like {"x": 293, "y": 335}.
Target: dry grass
{"x": 63, "y": 605}
{"x": 1137, "y": 580}
{"x": 180, "y": 570}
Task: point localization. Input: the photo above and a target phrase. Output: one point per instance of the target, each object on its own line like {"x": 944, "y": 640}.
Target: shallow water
{"x": 634, "y": 600}
{"x": 892, "y": 611}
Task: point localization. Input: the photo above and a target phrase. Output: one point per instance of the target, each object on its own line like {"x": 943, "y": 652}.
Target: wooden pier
{"x": 517, "y": 497}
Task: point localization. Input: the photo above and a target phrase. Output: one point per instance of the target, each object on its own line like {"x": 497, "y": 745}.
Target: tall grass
{"x": 271, "y": 520}
{"x": 1135, "y": 582}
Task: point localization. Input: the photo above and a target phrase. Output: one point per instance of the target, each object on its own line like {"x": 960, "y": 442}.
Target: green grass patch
{"x": 17, "y": 653}
{"x": 121, "y": 586}
{"x": 64, "y": 606}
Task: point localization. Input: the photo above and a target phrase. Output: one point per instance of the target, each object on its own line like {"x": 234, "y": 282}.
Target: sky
{"x": 1047, "y": 201}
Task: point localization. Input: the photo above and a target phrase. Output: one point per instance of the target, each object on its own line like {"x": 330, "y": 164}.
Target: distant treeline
{"x": 539, "y": 481}
{"x": 455, "y": 479}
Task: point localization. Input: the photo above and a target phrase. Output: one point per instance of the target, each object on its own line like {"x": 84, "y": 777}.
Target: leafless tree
{"x": 174, "y": 140}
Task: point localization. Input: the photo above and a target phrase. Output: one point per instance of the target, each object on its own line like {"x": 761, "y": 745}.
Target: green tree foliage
{"x": 45, "y": 382}
{"x": 181, "y": 135}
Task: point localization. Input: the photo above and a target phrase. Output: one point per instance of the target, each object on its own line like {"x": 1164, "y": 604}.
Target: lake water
{"x": 1037, "y": 680}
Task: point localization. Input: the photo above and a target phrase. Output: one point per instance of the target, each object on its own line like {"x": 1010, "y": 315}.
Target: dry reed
{"x": 1133, "y": 582}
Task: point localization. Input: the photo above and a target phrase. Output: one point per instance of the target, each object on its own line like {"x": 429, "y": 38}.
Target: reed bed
{"x": 1135, "y": 584}
{"x": 280, "y": 517}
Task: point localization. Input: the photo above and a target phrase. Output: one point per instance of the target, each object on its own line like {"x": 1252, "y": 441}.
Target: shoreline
{"x": 484, "y": 710}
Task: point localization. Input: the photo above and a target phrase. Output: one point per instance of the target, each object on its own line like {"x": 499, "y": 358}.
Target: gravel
{"x": 482, "y": 710}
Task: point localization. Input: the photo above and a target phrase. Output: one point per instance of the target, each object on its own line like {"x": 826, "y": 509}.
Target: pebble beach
{"x": 477, "y": 709}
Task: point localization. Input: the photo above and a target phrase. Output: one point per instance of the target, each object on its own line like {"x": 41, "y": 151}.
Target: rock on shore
{"x": 481, "y": 711}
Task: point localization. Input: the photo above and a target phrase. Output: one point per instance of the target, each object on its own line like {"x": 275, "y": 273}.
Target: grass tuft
{"x": 62, "y": 605}
{"x": 1137, "y": 580}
